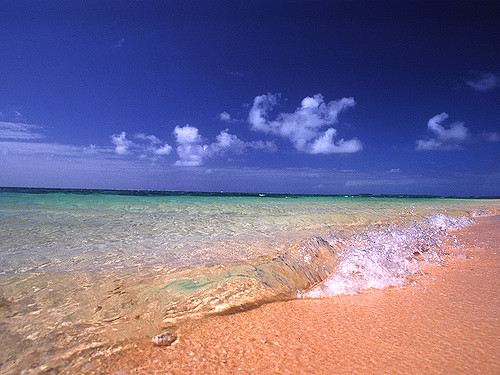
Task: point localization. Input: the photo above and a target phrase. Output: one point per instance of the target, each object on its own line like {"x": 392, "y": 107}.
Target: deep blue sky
{"x": 335, "y": 97}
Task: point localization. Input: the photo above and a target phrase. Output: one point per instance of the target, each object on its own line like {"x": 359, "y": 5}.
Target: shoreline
{"x": 449, "y": 322}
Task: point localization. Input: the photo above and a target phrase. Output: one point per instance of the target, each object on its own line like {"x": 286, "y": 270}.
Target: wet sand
{"x": 448, "y": 323}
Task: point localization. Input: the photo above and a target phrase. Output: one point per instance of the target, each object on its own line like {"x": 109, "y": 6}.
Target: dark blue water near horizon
{"x": 152, "y": 193}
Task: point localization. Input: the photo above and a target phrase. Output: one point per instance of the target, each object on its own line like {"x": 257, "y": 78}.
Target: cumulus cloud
{"x": 262, "y": 105}
{"x": 122, "y": 144}
{"x": 456, "y": 133}
{"x": 192, "y": 150}
{"x": 445, "y": 139}
{"x": 193, "y": 153}
{"x": 187, "y": 134}
{"x": 326, "y": 145}
{"x": 163, "y": 150}
{"x": 226, "y": 141}
{"x": 224, "y": 116}
{"x": 305, "y": 127}
{"x": 483, "y": 81}
{"x": 11, "y": 130}
{"x": 230, "y": 142}
{"x": 145, "y": 145}
{"x": 153, "y": 144}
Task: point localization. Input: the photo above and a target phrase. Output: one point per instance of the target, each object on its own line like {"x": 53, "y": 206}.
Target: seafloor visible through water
{"x": 82, "y": 270}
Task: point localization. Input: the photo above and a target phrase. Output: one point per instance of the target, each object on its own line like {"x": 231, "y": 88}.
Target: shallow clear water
{"x": 61, "y": 231}
{"x": 81, "y": 269}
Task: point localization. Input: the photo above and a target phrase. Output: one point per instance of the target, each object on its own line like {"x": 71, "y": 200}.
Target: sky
{"x": 315, "y": 97}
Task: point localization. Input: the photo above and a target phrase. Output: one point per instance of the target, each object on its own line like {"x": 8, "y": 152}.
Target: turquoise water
{"x": 85, "y": 230}
{"x": 80, "y": 269}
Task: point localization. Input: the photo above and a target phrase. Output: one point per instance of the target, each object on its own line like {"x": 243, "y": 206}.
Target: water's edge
{"x": 52, "y": 318}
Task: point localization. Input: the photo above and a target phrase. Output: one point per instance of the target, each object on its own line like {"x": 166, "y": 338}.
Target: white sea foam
{"x": 443, "y": 221}
{"x": 479, "y": 213}
{"x": 380, "y": 258}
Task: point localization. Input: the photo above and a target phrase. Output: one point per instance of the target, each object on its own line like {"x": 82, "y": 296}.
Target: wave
{"x": 346, "y": 262}
{"x": 386, "y": 257}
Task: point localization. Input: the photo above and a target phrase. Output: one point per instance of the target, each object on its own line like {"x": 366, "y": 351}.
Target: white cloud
{"x": 445, "y": 139}
{"x": 186, "y": 135}
{"x": 429, "y": 145}
{"x": 152, "y": 145}
{"x": 190, "y": 150}
{"x": 224, "y": 116}
{"x": 146, "y": 145}
{"x": 326, "y": 145}
{"x": 304, "y": 127}
{"x": 193, "y": 153}
{"x": 483, "y": 82}
{"x": 226, "y": 141}
{"x": 10, "y": 130}
{"x": 122, "y": 144}
{"x": 230, "y": 142}
{"x": 262, "y": 104}
{"x": 151, "y": 138}
{"x": 163, "y": 150}
{"x": 457, "y": 131}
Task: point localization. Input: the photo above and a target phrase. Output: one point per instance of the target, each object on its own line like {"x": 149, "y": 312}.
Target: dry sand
{"x": 448, "y": 325}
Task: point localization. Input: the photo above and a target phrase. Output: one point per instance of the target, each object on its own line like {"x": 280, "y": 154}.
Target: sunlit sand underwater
{"x": 82, "y": 271}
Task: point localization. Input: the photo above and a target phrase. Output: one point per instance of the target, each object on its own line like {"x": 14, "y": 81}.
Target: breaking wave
{"x": 385, "y": 257}
{"x": 346, "y": 262}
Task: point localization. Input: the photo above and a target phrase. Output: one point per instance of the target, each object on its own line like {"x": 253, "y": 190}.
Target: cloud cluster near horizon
{"x": 305, "y": 127}
{"x": 144, "y": 145}
{"x": 444, "y": 139}
{"x": 191, "y": 148}
{"x": 192, "y": 151}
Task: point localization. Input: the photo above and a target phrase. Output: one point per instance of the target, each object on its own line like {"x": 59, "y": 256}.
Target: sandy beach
{"x": 258, "y": 187}
{"x": 447, "y": 323}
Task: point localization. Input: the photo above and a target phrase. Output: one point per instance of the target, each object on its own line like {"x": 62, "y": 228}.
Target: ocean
{"x": 82, "y": 270}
